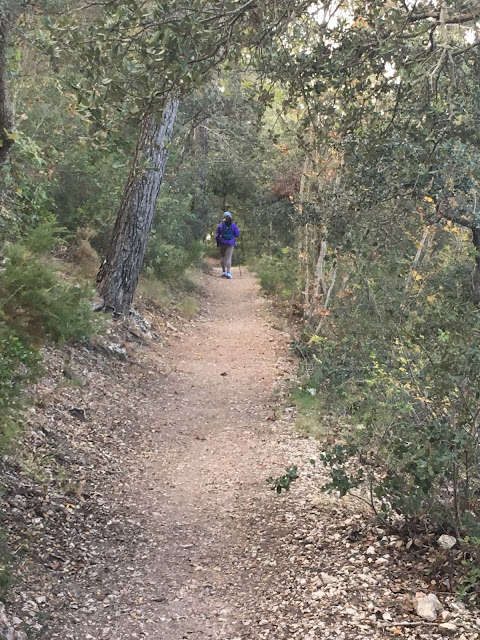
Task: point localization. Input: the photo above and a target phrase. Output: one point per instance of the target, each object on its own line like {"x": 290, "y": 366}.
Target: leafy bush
{"x": 36, "y": 301}
{"x": 277, "y": 274}
{"x": 19, "y": 365}
{"x": 407, "y": 390}
{"x": 25, "y": 188}
{"x": 35, "y": 304}
{"x": 285, "y": 481}
{"x": 169, "y": 262}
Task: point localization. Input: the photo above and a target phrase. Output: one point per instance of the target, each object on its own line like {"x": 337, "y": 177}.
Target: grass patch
{"x": 167, "y": 295}
{"x": 308, "y": 415}
{"x": 188, "y": 307}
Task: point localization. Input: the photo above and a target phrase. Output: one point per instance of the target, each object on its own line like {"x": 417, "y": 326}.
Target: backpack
{"x": 227, "y": 231}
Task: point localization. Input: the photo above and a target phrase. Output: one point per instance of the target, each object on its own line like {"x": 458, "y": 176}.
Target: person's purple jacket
{"x": 221, "y": 242}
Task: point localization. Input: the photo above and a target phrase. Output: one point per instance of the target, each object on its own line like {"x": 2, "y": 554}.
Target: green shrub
{"x": 168, "y": 262}
{"x": 277, "y": 274}
{"x": 36, "y": 300}
{"x": 35, "y": 304}
{"x": 43, "y": 238}
{"x": 19, "y": 365}
{"x": 406, "y": 388}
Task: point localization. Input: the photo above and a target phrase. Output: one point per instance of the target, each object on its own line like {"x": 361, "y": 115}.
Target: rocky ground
{"x": 140, "y": 507}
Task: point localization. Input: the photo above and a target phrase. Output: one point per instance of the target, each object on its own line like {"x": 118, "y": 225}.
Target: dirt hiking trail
{"x": 195, "y": 545}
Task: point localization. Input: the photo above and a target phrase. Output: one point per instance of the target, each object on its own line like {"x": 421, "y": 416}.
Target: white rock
{"x": 371, "y": 551}
{"x": 326, "y": 579}
{"x": 318, "y": 595}
{"x": 428, "y": 607}
{"x": 446, "y": 542}
{"x": 386, "y": 616}
{"x": 117, "y": 350}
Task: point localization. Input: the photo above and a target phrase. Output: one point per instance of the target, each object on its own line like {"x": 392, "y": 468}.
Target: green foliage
{"x": 27, "y": 200}
{"x": 285, "y": 481}
{"x": 35, "y": 303}
{"x": 19, "y": 366}
{"x": 277, "y": 274}
{"x": 405, "y": 383}
{"x": 469, "y": 587}
{"x": 42, "y": 239}
{"x": 169, "y": 262}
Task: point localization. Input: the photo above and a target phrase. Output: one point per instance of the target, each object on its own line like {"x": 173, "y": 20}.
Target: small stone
{"x": 318, "y": 595}
{"x": 41, "y": 599}
{"x": 447, "y": 628}
{"x": 446, "y": 542}
{"x": 446, "y": 616}
{"x": 117, "y": 350}
{"x": 428, "y": 607}
{"x": 371, "y": 551}
{"x": 326, "y": 579}
{"x": 387, "y": 617}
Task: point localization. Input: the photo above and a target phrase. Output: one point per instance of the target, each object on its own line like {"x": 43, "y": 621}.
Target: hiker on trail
{"x": 227, "y": 231}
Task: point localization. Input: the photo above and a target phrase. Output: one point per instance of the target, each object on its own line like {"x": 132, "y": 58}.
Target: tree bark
{"x": 303, "y": 236}
{"x": 199, "y": 203}
{"x": 120, "y": 271}
{"x": 319, "y": 287}
{"x": 476, "y": 269}
{"x": 9, "y": 13}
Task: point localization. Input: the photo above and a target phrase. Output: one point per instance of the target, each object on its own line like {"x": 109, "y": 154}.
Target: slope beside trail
{"x": 194, "y": 543}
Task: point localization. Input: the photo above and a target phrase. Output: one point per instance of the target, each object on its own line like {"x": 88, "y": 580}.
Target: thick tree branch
{"x": 456, "y": 219}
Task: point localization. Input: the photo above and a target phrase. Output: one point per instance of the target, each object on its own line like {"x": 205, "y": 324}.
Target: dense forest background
{"x": 344, "y": 138}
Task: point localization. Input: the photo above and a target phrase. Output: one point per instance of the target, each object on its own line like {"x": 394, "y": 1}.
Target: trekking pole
{"x": 239, "y": 265}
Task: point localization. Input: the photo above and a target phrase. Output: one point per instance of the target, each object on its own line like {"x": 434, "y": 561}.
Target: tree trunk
{"x": 476, "y": 269}
{"x": 199, "y": 203}
{"x": 319, "y": 287}
{"x": 303, "y": 236}
{"x": 120, "y": 271}
{"x": 328, "y": 295}
{"x": 423, "y": 247}
{"x": 9, "y": 13}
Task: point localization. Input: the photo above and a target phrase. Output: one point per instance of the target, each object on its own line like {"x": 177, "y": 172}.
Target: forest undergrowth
{"x": 344, "y": 139}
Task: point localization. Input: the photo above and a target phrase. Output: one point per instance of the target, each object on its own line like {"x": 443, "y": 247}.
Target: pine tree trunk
{"x": 476, "y": 269}
{"x": 119, "y": 273}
